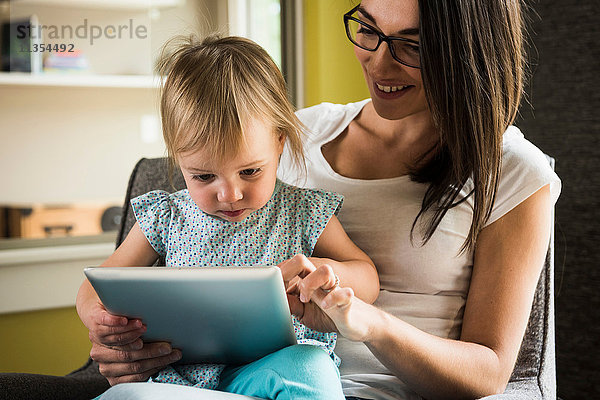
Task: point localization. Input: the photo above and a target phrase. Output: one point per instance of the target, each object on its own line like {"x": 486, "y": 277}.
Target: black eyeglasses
{"x": 367, "y": 37}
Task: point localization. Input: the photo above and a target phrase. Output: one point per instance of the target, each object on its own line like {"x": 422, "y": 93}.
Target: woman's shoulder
{"x": 521, "y": 158}
{"x": 525, "y": 169}
{"x": 322, "y": 118}
{"x": 516, "y": 148}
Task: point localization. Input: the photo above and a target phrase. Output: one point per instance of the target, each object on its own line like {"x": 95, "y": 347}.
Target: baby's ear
{"x": 281, "y": 141}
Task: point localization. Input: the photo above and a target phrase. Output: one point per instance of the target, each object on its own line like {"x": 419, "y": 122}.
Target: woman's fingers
{"x": 115, "y": 323}
{"x": 339, "y": 298}
{"x": 352, "y": 317}
{"x": 314, "y": 317}
{"x": 141, "y": 377}
{"x": 106, "y": 319}
{"x": 116, "y": 339}
{"x": 121, "y": 364}
{"x": 321, "y": 278}
{"x": 114, "y": 330}
{"x": 120, "y": 354}
{"x": 137, "y": 344}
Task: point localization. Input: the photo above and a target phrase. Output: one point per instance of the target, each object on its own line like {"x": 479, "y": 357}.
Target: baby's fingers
{"x": 298, "y": 265}
{"x": 322, "y": 278}
{"x": 292, "y": 286}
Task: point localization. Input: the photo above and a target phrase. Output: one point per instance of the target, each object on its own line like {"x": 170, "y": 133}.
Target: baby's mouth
{"x": 233, "y": 214}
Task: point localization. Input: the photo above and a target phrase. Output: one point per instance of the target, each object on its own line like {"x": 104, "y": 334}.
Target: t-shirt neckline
{"x": 348, "y": 118}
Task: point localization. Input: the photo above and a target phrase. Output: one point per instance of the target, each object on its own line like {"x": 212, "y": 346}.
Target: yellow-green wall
{"x": 54, "y": 341}
{"x": 331, "y": 70}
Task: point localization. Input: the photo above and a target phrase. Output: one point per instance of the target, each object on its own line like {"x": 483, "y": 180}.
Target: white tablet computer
{"x": 229, "y": 315}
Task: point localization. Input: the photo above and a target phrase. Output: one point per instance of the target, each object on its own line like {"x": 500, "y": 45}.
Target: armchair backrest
{"x": 537, "y": 357}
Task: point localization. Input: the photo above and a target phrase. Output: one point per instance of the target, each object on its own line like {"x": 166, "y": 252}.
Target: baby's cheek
{"x": 203, "y": 203}
{"x": 262, "y": 196}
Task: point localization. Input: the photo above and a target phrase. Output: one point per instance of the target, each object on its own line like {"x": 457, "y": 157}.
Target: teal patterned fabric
{"x": 289, "y": 224}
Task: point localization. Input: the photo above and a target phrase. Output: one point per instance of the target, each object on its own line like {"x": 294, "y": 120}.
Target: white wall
{"x": 66, "y": 145}
{"x": 62, "y": 145}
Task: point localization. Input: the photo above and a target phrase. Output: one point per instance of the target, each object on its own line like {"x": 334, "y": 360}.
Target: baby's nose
{"x": 229, "y": 194}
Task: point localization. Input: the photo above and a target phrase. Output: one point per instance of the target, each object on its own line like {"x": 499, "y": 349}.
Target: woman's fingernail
{"x": 165, "y": 349}
{"x": 175, "y": 355}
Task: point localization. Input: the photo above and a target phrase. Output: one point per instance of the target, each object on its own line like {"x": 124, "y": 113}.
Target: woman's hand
{"x": 116, "y": 344}
{"x": 108, "y": 329}
{"x": 319, "y": 303}
{"x": 116, "y": 340}
{"x": 350, "y": 315}
{"x": 134, "y": 362}
{"x": 120, "y": 352}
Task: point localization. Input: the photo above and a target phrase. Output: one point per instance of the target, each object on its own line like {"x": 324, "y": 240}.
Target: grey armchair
{"x": 534, "y": 376}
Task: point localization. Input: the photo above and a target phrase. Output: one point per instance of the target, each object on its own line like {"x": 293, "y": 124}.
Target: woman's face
{"x": 396, "y": 90}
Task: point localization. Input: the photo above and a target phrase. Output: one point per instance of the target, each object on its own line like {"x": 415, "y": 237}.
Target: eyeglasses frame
{"x": 382, "y": 37}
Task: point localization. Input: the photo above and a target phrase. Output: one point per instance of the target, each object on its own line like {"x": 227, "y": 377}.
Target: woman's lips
{"x": 233, "y": 214}
{"x": 390, "y": 91}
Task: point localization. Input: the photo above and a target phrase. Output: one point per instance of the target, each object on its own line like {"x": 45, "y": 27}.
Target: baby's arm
{"x": 335, "y": 250}
{"x": 106, "y": 328}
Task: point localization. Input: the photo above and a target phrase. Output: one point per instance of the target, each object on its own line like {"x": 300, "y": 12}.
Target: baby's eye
{"x": 250, "y": 171}
{"x": 203, "y": 177}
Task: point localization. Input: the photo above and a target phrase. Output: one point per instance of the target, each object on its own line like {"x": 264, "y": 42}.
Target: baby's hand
{"x": 294, "y": 269}
{"x": 111, "y": 330}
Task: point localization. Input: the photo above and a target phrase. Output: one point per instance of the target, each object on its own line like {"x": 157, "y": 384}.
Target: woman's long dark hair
{"x": 472, "y": 58}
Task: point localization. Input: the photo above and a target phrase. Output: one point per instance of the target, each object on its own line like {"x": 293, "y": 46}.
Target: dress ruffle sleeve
{"x": 154, "y": 212}
{"x": 319, "y": 207}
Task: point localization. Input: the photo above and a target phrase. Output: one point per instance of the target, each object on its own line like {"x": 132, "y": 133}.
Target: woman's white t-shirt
{"x": 425, "y": 286}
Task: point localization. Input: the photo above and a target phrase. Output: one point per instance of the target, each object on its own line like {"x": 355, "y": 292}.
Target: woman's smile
{"x": 389, "y": 91}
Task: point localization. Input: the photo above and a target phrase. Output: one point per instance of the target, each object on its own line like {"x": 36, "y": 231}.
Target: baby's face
{"x": 234, "y": 188}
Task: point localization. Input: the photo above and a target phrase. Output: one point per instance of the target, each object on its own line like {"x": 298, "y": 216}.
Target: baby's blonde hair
{"x": 213, "y": 88}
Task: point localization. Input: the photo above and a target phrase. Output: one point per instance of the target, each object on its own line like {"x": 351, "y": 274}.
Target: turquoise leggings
{"x": 296, "y": 372}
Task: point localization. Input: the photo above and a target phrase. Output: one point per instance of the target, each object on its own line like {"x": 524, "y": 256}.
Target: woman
{"x": 452, "y": 204}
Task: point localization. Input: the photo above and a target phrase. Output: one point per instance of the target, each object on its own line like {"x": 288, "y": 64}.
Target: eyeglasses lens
{"x": 365, "y": 37}
{"x": 361, "y": 35}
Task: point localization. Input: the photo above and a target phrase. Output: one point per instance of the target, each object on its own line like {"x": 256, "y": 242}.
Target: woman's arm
{"x": 116, "y": 343}
{"x": 334, "y": 251}
{"x": 509, "y": 255}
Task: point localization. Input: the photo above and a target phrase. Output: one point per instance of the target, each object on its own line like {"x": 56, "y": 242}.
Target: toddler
{"x": 226, "y": 118}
